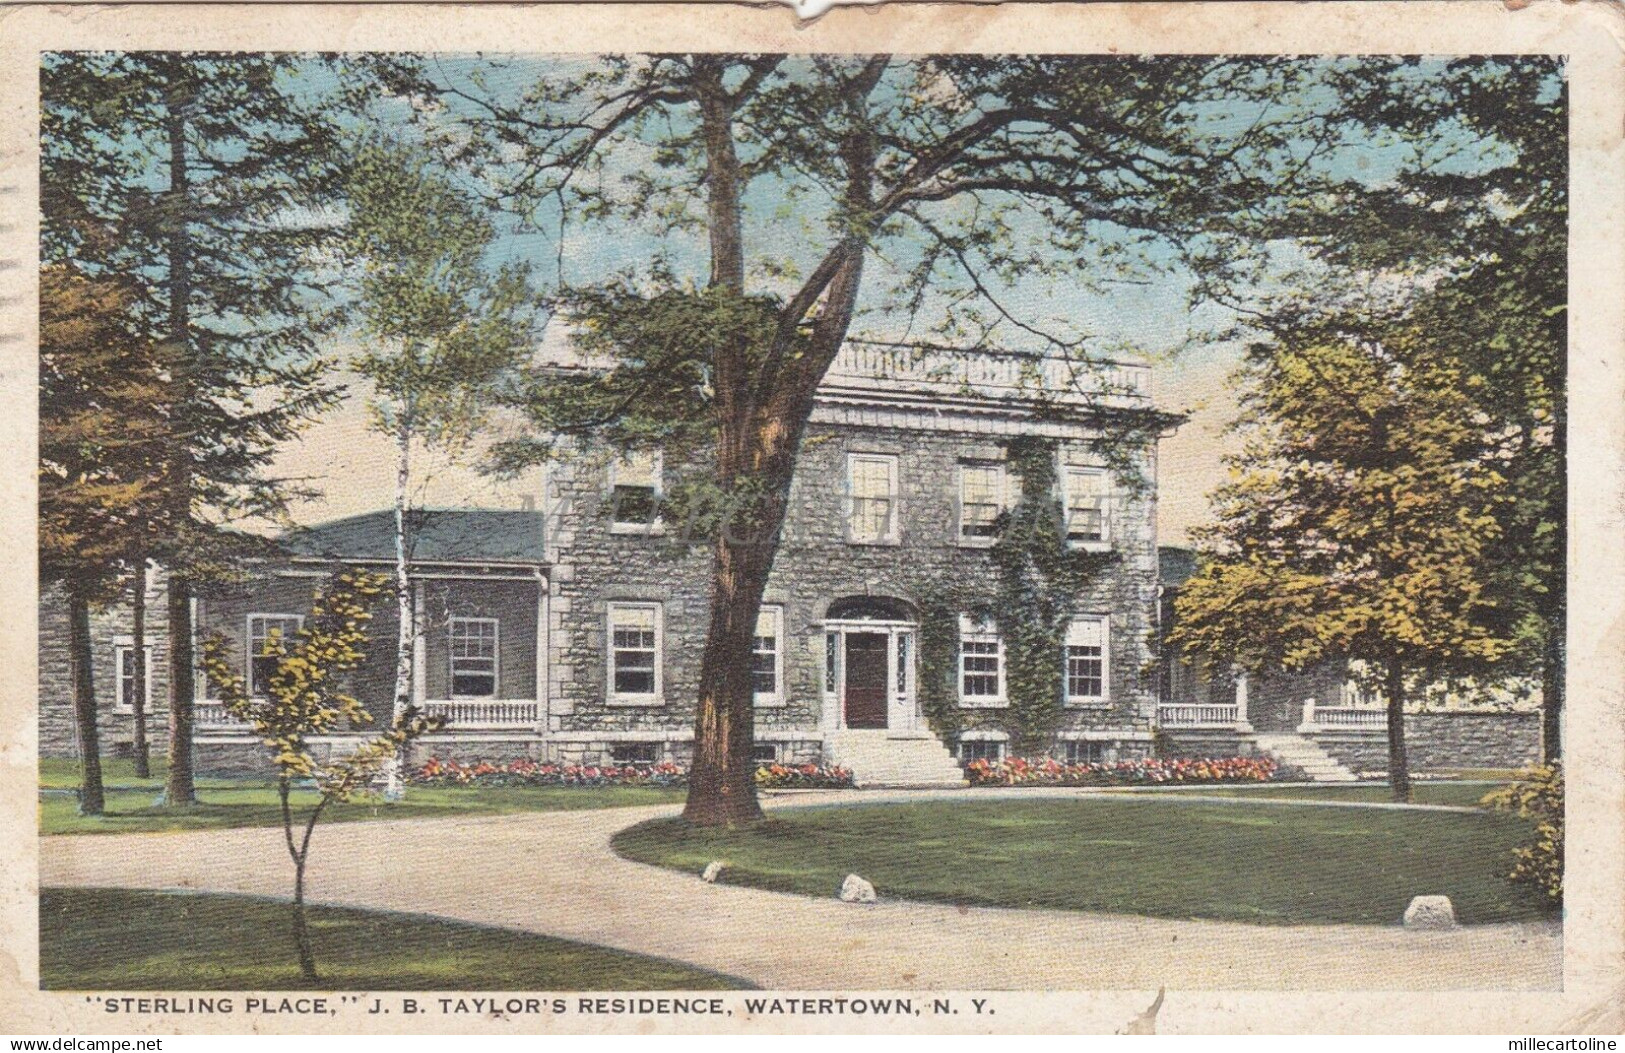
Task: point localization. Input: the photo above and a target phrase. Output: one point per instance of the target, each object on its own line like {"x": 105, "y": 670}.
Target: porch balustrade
{"x": 1193, "y": 715}
{"x": 466, "y": 713}
{"x": 1342, "y": 718}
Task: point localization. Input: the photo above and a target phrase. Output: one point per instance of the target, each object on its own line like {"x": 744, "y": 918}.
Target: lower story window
{"x": 1087, "y": 752}
{"x": 473, "y": 657}
{"x": 634, "y": 752}
{"x": 1086, "y": 660}
{"x": 634, "y": 652}
{"x": 981, "y": 749}
{"x": 270, "y": 636}
{"x": 764, "y": 753}
{"x": 981, "y": 663}
{"x": 765, "y": 673}
{"x": 125, "y": 664}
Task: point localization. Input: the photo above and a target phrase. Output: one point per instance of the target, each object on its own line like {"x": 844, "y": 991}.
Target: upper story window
{"x": 1087, "y": 520}
{"x": 981, "y": 663}
{"x": 635, "y": 492}
{"x": 270, "y": 636}
{"x": 981, "y": 499}
{"x": 871, "y": 487}
{"x": 124, "y": 666}
{"x": 474, "y": 657}
{"x": 634, "y": 653}
{"x": 767, "y": 657}
{"x": 1086, "y": 681}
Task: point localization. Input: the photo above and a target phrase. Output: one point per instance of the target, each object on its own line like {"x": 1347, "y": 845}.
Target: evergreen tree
{"x": 103, "y": 439}
{"x": 201, "y": 180}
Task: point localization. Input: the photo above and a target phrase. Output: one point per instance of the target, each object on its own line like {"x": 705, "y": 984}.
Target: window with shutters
{"x": 1086, "y": 681}
{"x": 634, "y": 653}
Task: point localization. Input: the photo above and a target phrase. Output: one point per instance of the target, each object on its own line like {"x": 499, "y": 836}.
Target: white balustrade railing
{"x": 998, "y": 374}
{"x": 484, "y": 713}
{"x": 1192, "y": 715}
{"x": 212, "y": 716}
{"x": 1342, "y": 718}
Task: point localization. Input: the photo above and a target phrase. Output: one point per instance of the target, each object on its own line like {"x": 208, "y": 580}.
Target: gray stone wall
{"x": 109, "y": 627}
{"x": 1444, "y": 741}
{"x": 816, "y": 565}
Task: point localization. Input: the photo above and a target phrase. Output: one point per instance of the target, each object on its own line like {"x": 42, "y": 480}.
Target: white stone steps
{"x": 883, "y": 758}
{"x": 1295, "y": 751}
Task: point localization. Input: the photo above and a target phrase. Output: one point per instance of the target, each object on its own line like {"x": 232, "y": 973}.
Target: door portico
{"x": 869, "y": 674}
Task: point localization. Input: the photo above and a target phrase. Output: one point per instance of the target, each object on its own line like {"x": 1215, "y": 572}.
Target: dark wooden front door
{"x": 865, "y": 680}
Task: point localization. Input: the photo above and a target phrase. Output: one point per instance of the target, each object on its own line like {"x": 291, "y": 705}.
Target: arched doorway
{"x": 869, "y": 678}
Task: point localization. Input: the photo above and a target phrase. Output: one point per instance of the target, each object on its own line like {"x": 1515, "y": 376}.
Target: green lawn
{"x": 1127, "y": 854}
{"x": 62, "y": 773}
{"x": 114, "y": 939}
{"x": 133, "y": 811}
{"x": 1461, "y": 794}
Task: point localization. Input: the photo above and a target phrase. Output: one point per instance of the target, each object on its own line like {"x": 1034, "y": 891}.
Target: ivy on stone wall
{"x": 1037, "y": 577}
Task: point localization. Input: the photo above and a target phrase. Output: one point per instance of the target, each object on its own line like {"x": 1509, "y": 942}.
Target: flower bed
{"x": 1021, "y": 771}
{"x": 438, "y": 772}
{"x": 802, "y": 777}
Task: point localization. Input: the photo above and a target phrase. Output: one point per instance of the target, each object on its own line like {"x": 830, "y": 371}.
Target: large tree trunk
{"x": 722, "y": 784}
{"x": 406, "y": 634}
{"x": 1399, "y": 772}
{"x": 91, "y": 799}
{"x": 138, "y": 682}
{"x": 759, "y": 429}
{"x": 179, "y": 787}
{"x": 179, "y": 790}
{"x": 1552, "y": 686}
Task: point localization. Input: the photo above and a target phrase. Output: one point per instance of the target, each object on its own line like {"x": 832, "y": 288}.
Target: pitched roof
{"x": 439, "y": 536}
{"x": 1175, "y": 566}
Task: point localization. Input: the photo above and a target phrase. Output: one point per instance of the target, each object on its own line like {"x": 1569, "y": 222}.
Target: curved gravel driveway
{"x": 554, "y": 873}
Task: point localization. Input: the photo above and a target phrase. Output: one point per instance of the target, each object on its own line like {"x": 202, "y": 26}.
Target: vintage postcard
{"x": 988, "y": 518}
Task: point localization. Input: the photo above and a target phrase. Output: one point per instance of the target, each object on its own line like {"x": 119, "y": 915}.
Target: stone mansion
{"x": 571, "y": 628}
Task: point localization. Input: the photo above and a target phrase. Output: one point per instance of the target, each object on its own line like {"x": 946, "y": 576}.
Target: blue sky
{"x": 1147, "y": 316}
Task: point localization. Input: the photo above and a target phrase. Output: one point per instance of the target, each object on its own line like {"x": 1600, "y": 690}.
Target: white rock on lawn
{"x": 1430, "y": 912}
{"x": 713, "y": 870}
{"x": 856, "y": 890}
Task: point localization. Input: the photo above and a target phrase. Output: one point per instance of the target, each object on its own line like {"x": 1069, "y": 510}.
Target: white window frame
{"x": 496, "y": 654}
{"x": 777, "y": 697}
{"x": 1105, "y": 747}
{"x": 657, "y": 468}
{"x": 248, "y": 636}
{"x": 617, "y": 698}
{"x": 894, "y": 511}
{"x": 1001, "y": 747}
{"x": 973, "y": 631}
{"x": 122, "y": 645}
{"x": 1104, "y": 543}
{"x": 1001, "y": 500}
{"x": 1089, "y": 701}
